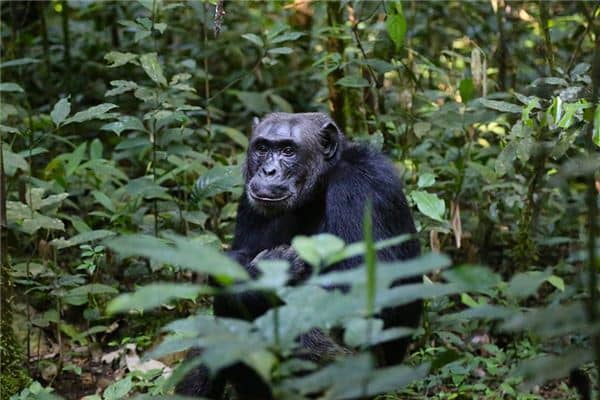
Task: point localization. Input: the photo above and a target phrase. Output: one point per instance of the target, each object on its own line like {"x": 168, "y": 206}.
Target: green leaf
{"x": 466, "y": 89}
{"x": 116, "y": 58}
{"x": 501, "y": 106}
{"x": 13, "y": 162}
{"x": 10, "y": 87}
{"x": 104, "y": 200}
{"x": 124, "y": 123}
{"x": 120, "y": 87}
{"x": 180, "y": 251}
{"x": 353, "y": 81}
{"x": 155, "y": 295}
{"x": 96, "y": 112}
{"x": 286, "y": 37}
{"x": 525, "y": 284}
{"x": 314, "y": 250}
{"x": 472, "y": 277}
{"x": 422, "y": 128}
{"x": 505, "y": 161}
{"x": 96, "y": 149}
{"x": 79, "y": 295}
{"x": 379, "y": 65}
{"x": 151, "y": 5}
{"x": 83, "y": 237}
{"x": 253, "y": 101}
{"x": 9, "y": 129}
{"x": 251, "y": 37}
{"x": 39, "y": 221}
{"x": 153, "y": 68}
{"x": 234, "y": 134}
{"x": 217, "y": 180}
{"x": 426, "y": 179}
{"x": 467, "y": 300}
{"x": 396, "y": 28}
{"x": 61, "y": 111}
{"x": 146, "y": 188}
{"x": 18, "y": 62}
{"x": 557, "y": 282}
{"x": 74, "y": 159}
{"x": 119, "y": 389}
{"x": 429, "y": 204}
{"x": 596, "y": 127}
{"x": 280, "y": 50}
{"x": 161, "y": 27}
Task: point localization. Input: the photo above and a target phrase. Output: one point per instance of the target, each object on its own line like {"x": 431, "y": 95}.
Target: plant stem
{"x": 592, "y": 206}
{"x": 548, "y": 52}
{"x": 66, "y": 36}
{"x": 502, "y": 48}
{"x": 44, "y": 32}
{"x": 154, "y": 130}
{"x": 335, "y": 45}
{"x": 206, "y": 82}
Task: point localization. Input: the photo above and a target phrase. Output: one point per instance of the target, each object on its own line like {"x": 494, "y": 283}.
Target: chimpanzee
{"x": 303, "y": 178}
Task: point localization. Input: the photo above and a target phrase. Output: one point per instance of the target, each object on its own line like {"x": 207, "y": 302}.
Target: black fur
{"x": 332, "y": 180}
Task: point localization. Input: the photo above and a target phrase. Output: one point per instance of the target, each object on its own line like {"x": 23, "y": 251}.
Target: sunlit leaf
{"x": 396, "y": 28}
{"x": 10, "y": 87}
{"x": 96, "y": 112}
{"x": 116, "y": 58}
{"x": 153, "y": 68}
{"x": 61, "y": 111}
{"x": 429, "y": 204}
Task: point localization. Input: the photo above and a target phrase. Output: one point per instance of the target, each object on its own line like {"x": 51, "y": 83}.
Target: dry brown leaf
{"x": 456, "y": 224}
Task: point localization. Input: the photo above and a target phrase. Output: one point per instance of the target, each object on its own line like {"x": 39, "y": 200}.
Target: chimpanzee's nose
{"x": 269, "y": 170}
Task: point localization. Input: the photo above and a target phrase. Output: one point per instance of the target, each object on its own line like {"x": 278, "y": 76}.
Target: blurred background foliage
{"x": 133, "y": 118}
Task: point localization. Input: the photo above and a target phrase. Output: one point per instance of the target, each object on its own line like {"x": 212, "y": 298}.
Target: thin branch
{"x": 548, "y": 51}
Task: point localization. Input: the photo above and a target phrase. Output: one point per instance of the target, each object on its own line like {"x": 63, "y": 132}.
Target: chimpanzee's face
{"x": 287, "y": 155}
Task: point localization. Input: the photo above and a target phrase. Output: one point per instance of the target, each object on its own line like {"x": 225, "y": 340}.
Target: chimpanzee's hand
{"x": 299, "y": 270}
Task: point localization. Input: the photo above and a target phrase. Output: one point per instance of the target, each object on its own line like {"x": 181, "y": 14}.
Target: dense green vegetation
{"x": 123, "y": 126}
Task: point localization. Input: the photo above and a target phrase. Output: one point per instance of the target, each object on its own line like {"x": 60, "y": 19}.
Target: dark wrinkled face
{"x": 287, "y": 155}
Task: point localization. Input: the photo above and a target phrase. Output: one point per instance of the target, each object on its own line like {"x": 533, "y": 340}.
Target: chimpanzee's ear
{"x": 329, "y": 137}
{"x": 255, "y": 122}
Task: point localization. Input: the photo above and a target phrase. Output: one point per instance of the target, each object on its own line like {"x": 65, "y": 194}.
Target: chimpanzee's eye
{"x": 288, "y": 151}
{"x": 261, "y": 149}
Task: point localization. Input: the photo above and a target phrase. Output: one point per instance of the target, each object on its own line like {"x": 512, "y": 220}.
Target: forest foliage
{"x": 123, "y": 127}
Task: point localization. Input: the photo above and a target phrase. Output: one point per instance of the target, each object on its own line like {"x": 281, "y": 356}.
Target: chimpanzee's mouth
{"x": 267, "y": 199}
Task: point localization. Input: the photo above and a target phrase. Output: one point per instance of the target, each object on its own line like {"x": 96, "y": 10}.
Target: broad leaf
{"x": 396, "y": 28}
{"x": 218, "y": 180}
{"x": 153, "y": 68}
{"x": 124, "y": 123}
{"x": 176, "y": 250}
{"x": 83, "y": 237}
{"x": 10, "y": 87}
{"x": 429, "y": 204}
{"x": 96, "y": 112}
{"x": 353, "y": 81}
{"x": 155, "y": 295}
{"x": 251, "y": 37}
{"x": 116, "y": 58}
{"x": 501, "y": 106}
{"x": 61, "y": 111}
